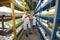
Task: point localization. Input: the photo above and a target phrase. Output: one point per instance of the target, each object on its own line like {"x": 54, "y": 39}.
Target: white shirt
{"x": 34, "y": 20}
{"x": 26, "y": 20}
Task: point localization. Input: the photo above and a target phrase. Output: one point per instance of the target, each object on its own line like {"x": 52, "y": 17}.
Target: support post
{"x": 13, "y": 20}
{"x": 56, "y": 19}
{"x": 3, "y": 22}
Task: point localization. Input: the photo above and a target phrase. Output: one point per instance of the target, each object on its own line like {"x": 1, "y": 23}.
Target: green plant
{"x": 59, "y": 30}
{"x": 49, "y": 26}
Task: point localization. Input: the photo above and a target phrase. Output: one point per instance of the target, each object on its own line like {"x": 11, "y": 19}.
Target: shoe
{"x": 26, "y": 35}
{"x": 34, "y": 28}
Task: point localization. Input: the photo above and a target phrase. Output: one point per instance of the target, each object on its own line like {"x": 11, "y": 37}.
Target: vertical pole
{"x": 23, "y": 3}
{"x": 3, "y": 22}
{"x": 13, "y": 21}
{"x": 56, "y": 19}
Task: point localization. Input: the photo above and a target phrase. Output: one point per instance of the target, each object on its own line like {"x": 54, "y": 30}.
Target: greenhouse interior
{"x": 42, "y": 20}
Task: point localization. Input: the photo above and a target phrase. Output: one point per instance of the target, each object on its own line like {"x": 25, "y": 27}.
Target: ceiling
{"x": 31, "y": 4}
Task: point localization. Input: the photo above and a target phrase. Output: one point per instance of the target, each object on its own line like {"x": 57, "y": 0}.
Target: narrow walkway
{"x": 33, "y": 36}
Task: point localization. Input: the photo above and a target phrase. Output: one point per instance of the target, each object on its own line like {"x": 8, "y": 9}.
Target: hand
{"x": 26, "y": 16}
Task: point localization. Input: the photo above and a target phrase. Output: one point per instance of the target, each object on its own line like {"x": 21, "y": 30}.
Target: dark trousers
{"x": 27, "y": 31}
{"x": 34, "y": 26}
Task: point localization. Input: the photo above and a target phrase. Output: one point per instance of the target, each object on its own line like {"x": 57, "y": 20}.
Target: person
{"x": 34, "y": 21}
{"x": 27, "y": 28}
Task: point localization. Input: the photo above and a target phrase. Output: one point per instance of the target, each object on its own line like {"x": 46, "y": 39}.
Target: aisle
{"x": 33, "y": 36}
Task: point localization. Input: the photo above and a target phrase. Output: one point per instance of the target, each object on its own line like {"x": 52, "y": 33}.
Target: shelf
{"x": 11, "y": 36}
{"x": 43, "y": 33}
{"x": 51, "y": 18}
{"x": 17, "y": 4}
{"x": 10, "y": 33}
{"x": 45, "y": 28}
{"x": 9, "y": 18}
{"x": 46, "y": 5}
{"x": 40, "y": 33}
{"x": 46, "y": 25}
{"x": 8, "y": 25}
{"x": 19, "y": 29}
{"x": 5, "y": 1}
{"x": 38, "y": 5}
{"x": 9, "y": 30}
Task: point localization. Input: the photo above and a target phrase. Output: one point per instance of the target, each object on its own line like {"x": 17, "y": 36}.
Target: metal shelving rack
{"x": 12, "y": 5}
{"x": 55, "y": 20}
{"x": 12, "y": 14}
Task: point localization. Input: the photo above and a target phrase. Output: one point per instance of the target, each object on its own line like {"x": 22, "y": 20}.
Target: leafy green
{"x": 49, "y": 26}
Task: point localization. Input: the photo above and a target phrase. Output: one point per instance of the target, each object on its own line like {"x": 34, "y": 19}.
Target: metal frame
{"x": 13, "y": 17}
{"x": 47, "y": 18}
{"x": 56, "y": 19}
{"x": 45, "y": 6}
{"x": 37, "y": 6}
{"x": 40, "y": 34}
{"x": 13, "y": 20}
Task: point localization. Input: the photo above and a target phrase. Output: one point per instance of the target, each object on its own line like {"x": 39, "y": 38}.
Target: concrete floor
{"x": 33, "y": 36}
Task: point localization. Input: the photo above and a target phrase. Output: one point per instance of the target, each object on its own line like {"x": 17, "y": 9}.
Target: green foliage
{"x": 49, "y": 26}
{"x": 59, "y": 30}
{"x": 48, "y": 13}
